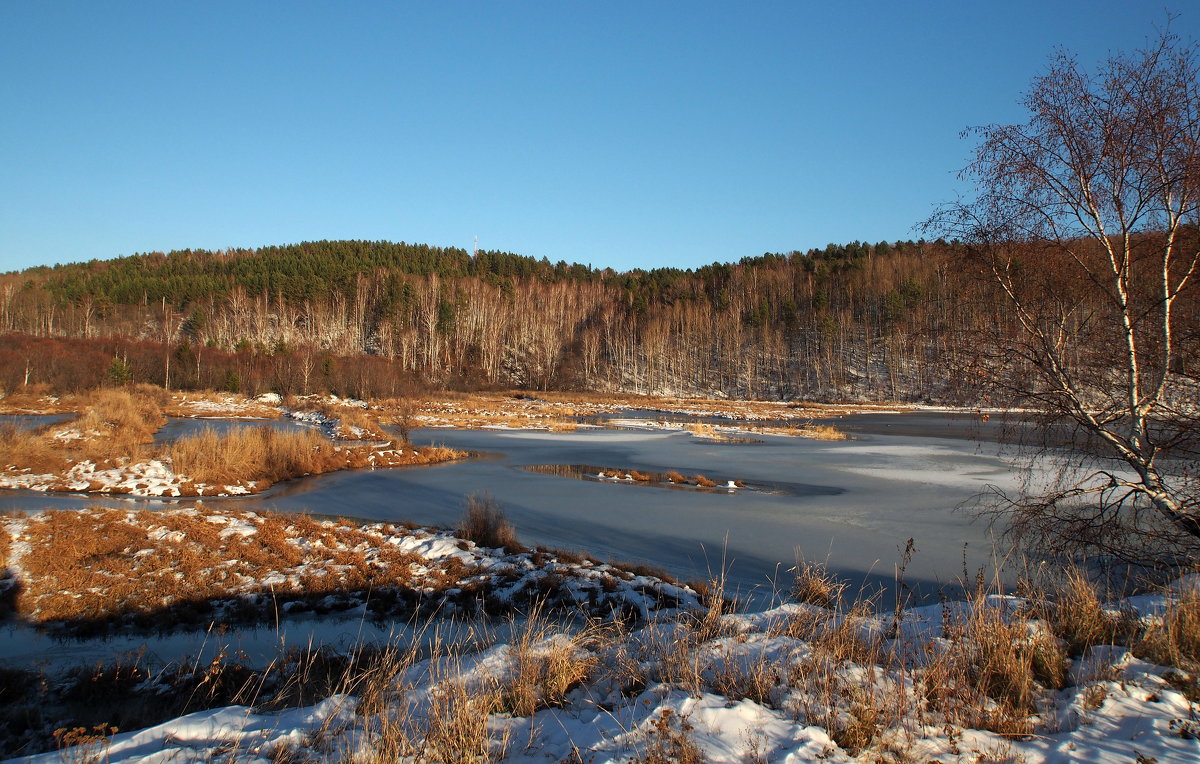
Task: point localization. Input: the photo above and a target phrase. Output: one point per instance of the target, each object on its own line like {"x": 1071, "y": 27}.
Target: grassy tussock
{"x": 813, "y": 584}
{"x": 993, "y": 670}
{"x": 812, "y": 432}
{"x": 262, "y": 456}
{"x": 484, "y": 523}
{"x": 546, "y": 664}
{"x": 823, "y": 432}
{"x": 1174, "y": 639}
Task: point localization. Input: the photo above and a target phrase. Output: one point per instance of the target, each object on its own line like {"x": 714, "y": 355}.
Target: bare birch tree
{"x": 1085, "y": 225}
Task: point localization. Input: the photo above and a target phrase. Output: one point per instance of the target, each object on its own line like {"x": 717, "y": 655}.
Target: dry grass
{"x": 1174, "y": 639}
{"x": 813, "y": 584}
{"x": 1076, "y": 614}
{"x": 350, "y": 421}
{"x": 29, "y": 398}
{"x": 992, "y": 671}
{"x": 484, "y": 523}
{"x": 29, "y": 450}
{"x": 98, "y": 565}
{"x": 546, "y": 663}
{"x": 810, "y": 431}
{"x": 253, "y": 454}
{"x": 823, "y": 432}
{"x": 213, "y": 403}
{"x": 113, "y": 427}
{"x": 116, "y": 427}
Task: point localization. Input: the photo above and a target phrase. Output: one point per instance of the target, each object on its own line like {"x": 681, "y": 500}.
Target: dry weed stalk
{"x": 668, "y": 740}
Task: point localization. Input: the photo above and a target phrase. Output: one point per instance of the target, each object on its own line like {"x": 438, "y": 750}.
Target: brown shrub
{"x": 704, "y": 482}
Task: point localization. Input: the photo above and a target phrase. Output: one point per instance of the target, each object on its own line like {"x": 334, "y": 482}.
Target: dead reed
{"x": 253, "y": 454}
{"x": 484, "y": 523}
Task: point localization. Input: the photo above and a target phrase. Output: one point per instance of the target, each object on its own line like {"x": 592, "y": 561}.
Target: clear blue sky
{"x": 618, "y": 134}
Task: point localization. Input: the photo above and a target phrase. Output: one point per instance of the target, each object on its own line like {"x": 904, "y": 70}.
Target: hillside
{"x": 860, "y": 320}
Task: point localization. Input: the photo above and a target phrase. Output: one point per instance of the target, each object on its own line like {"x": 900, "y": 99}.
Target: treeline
{"x": 74, "y": 365}
{"x": 885, "y": 320}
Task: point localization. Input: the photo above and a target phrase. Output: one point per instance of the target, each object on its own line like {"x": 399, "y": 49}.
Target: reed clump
{"x": 253, "y": 454}
{"x": 484, "y": 522}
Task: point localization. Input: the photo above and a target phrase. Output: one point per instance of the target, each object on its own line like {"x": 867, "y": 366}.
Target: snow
{"x": 233, "y": 730}
{"x": 1116, "y": 708}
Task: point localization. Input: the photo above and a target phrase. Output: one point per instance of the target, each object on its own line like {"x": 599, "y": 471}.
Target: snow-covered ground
{"x": 1112, "y": 708}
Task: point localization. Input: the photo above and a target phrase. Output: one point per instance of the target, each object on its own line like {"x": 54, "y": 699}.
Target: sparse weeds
{"x": 667, "y": 739}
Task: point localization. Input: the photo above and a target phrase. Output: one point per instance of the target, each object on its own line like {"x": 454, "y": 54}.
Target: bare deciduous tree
{"x": 1085, "y": 225}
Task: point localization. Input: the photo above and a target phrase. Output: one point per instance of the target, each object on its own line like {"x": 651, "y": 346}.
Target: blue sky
{"x": 636, "y": 134}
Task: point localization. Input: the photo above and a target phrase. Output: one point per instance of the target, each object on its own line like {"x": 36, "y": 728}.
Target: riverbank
{"x": 1061, "y": 676}
{"x": 549, "y": 411}
{"x": 111, "y": 448}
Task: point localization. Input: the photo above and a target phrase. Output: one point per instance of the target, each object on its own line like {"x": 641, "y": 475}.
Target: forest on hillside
{"x": 866, "y": 321}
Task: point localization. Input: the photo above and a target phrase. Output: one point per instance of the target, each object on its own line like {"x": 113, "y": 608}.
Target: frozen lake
{"x": 851, "y": 503}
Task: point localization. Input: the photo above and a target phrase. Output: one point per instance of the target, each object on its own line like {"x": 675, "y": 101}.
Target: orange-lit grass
{"x": 262, "y": 456}
{"x": 99, "y": 564}
{"x": 29, "y": 449}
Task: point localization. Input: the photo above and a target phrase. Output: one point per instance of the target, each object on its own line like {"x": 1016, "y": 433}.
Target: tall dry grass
{"x": 483, "y": 522}
{"x": 28, "y": 450}
{"x": 253, "y": 454}
{"x": 123, "y": 416}
{"x": 113, "y": 425}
